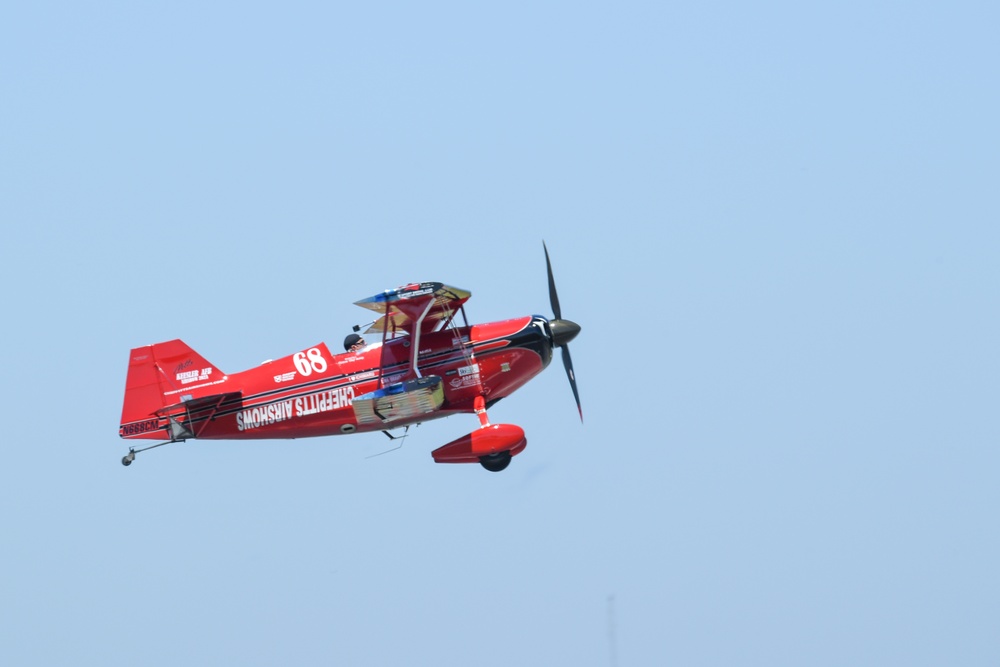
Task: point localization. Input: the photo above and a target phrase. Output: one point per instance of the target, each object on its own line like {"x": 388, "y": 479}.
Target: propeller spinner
{"x": 563, "y": 331}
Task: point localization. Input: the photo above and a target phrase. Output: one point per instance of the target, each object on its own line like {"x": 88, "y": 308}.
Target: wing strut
{"x": 415, "y": 349}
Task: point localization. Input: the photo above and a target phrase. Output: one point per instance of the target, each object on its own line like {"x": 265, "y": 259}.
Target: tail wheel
{"x": 495, "y": 462}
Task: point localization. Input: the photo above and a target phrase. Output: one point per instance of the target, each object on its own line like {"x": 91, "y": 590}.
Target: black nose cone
{"x": 563, "y": 331}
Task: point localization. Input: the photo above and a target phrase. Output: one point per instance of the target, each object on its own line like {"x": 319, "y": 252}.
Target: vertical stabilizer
{"x": 161, "y": 375}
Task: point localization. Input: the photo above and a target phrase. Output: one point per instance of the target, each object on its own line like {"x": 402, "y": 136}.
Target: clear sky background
{"x": 776, "y": 222}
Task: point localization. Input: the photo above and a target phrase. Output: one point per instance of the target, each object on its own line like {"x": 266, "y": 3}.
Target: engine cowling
{"x": 484, "y": 442}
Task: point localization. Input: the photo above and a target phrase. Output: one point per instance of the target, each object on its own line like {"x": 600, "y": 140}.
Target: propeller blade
{"x": 553, "y": 297}
{"x": 568, "y": 363}
{"x": 563, "y": 331}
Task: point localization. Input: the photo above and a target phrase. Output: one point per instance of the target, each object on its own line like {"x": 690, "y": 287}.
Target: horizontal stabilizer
{"x": 210, "y": 404}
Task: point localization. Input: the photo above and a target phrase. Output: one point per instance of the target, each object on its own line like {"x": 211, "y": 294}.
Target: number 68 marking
{"x": 309, "y": 361}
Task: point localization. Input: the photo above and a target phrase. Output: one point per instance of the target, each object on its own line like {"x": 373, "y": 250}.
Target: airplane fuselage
{"x": 313, "y": 392}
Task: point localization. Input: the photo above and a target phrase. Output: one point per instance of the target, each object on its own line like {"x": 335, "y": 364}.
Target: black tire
{"x": 495, "y": 462}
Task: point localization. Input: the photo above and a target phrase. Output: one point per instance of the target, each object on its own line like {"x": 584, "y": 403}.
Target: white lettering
{"x": 309, "y": 361}
{"x": 263, "y": 416}
{"x": 324, "y": 401}
{"x": 188, "y": 377}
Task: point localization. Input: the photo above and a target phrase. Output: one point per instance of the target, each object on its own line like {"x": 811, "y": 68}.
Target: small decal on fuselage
{"x": 140, "y": 427}
{"x": 285, "y": 377}
{"x": 187, "y": 377}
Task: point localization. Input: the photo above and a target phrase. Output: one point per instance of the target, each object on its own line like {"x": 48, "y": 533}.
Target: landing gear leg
{"x": 492, "y": 462}
{"x": 132, "y": 451}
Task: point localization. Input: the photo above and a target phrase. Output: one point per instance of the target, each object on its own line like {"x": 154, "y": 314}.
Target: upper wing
{"x": 404, "y": 307}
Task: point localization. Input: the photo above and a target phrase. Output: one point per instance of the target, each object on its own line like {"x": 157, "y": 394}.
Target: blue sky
{"x": 776, "y": 223}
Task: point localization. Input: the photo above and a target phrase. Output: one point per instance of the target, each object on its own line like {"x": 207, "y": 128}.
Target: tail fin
{"x": 157, "y": 377}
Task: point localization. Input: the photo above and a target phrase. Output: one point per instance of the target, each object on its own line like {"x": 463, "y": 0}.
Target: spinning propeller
{"x": 563, "y": 331}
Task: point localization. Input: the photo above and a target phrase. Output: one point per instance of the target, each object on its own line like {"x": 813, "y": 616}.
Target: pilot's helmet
{"x": 351, "y": 340}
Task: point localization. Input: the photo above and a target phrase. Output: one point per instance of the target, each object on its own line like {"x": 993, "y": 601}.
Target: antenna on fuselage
{"x": 401, "y": 438}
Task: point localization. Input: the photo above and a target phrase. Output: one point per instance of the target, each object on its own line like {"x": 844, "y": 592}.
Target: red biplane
{"x": 426, "y": 366}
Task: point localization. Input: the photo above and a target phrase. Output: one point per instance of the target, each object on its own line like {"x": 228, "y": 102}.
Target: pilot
{"x": 353, "y": 343}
